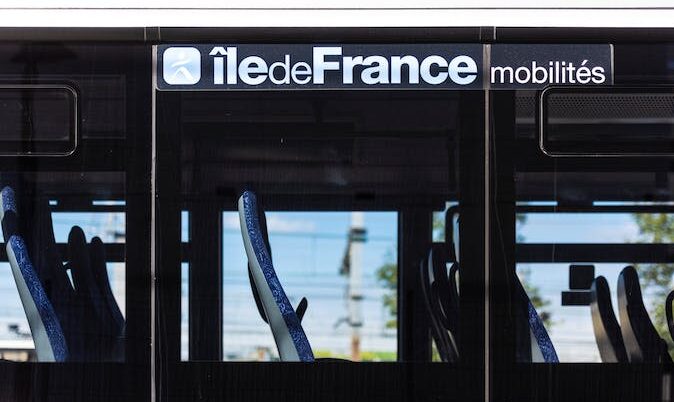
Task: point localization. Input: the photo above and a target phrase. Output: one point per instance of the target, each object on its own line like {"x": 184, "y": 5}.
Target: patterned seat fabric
{"x": 541, "y": 335}
{"x": 48, "y": 336}
{"x": 289, "y": 335}
{"x": 538, "y": 342}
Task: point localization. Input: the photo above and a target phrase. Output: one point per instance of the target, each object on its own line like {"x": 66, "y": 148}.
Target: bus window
{"x": 318, "y": 260}
{"x": 74, "y": 190}
{"x": 313, "y": 216}
{"x": 587, "y": 229}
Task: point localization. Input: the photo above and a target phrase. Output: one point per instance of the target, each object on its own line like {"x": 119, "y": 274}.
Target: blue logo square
{"x": 182, "y": 65}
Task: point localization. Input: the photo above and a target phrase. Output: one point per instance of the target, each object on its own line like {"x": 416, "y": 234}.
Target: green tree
{"x": 657, "y": 228}
{"x": 534, "y": 292}
{"x": 387, "y": 275}
{"x": 537, "y": 300}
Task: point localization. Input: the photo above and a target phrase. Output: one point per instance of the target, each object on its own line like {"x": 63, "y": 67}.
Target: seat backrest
{"x": 440, "y": 290}
{"x": 446, "y": 348}
{"x": 540, "y": 347}
{"x": 101, "y": 328}
{"x": 669, "y": 314}
{"x": 34, "y": 223}
{"x": 541, "y": 337}
{"x": 8, "y": 212}
{"x": 443, "y": 297}
{"x": 284, "y": 322}
{"x": 48, "y": 336}
{"x": 606, "y": 328}
{"x": 93, "y": 331}
{"x": 37, "y": 228}
{"x": 454, "y": 280}
{"x": 115, "y": 318}
{"x": 446, "y": 292}
{"x": 642, "y": 341}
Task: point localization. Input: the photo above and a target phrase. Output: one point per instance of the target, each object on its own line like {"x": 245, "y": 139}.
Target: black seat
{"x": 436, "y": 298}
{"x": 454, "y": 301}
{"x": 114, "y": 322}
{"x": 444, "y": 289}
{"x": 53, "y": 273}
{"x": 643, "y": 344}
{"x": 606, "y": 328}
{"x": 103, "y": 323}
{"x": 440, "y": 290}
{"x": 669, "y": 315}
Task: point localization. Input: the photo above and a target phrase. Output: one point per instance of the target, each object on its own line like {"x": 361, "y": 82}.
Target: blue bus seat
{"x": 539, "y": 346}
{"x": 45, "y": 327}
{"x": 291, "y": 341}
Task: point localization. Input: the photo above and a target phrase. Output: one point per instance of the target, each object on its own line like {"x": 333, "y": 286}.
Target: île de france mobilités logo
{"x": 182, "y": 65}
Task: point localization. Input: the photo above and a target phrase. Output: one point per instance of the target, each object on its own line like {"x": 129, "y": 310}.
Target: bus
{"x": 336, "y": 201}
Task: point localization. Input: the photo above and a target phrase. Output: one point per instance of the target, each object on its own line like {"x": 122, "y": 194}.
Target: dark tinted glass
{"x": 38, "y": 119}
{"x": 74, "y": 266}
{"x": 356, "y": 188}
{"x": 607, "y": 121}
{"x": 559, "y": 204}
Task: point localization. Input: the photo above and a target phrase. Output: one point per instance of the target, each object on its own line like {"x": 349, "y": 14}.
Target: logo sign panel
{"x": 181, "y": 66}
{"x": 539, "y": 66}
{"x": 221, "y": 67}
{"x": 246, "y": 67}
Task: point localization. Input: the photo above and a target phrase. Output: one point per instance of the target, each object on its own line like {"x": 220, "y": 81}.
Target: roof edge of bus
{"x": 338, "y": 24}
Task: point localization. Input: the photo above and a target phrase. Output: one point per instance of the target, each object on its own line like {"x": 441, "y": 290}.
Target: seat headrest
{"x": 8, "y": 212}
{"x": 8, "y": 200}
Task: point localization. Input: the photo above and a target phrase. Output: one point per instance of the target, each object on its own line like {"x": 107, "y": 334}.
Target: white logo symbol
{"x": 182, "y": 66}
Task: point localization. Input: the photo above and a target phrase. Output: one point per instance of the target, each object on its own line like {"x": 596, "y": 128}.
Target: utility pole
{"x": 357, "y": 236}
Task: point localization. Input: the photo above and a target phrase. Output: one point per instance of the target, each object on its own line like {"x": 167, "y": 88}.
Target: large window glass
{"x": 581, "y": 268}
{"x": 315, "y": 255}
{"x": 74, "y": 194}
{"x": 323, "y": 215}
